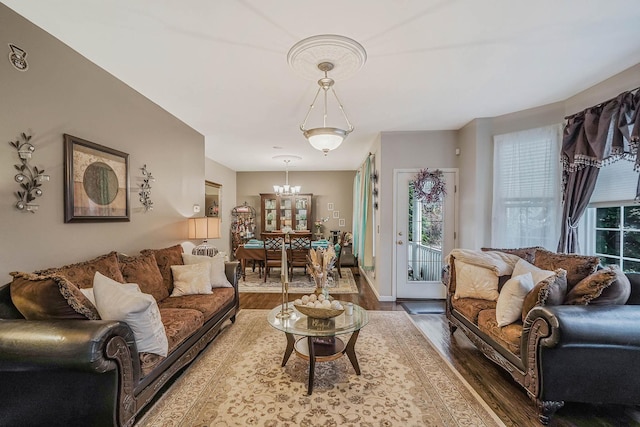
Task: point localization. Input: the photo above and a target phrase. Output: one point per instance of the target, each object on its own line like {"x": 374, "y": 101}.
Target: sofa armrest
{"x": 232, "y": 270}
{"x": 583, "y": 353}
{"x": 63, "y": 344}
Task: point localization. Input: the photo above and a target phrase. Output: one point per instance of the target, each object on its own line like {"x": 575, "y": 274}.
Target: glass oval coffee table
{"x": 318, "y": 338}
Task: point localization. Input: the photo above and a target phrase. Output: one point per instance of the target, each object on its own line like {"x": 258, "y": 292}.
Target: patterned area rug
{"x": 298, "y": 285}
{"x": 238, "y": 381}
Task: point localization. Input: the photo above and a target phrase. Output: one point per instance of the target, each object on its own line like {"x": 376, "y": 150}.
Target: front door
{"x": 425, "y": 232}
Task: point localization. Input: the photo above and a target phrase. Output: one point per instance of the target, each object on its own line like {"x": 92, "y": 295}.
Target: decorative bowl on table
{"x": 318, "y": 306}
{"x": 318, "y": 313}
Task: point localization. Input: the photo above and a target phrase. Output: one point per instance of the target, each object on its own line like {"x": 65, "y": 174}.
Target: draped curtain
{"x": 592, "y": 139}
{"x": 362, "y": 189}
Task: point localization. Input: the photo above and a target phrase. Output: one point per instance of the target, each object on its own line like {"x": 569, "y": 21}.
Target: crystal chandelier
{"x": 343, "y": 57}
{"x": 286, "y": 189}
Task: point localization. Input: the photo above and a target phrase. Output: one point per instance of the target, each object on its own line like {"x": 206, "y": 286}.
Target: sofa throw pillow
{"x": 577, "y": 266}
{"x": 46, "y": 297}
{"x": 144, "y": 271}
{"x": 511, "y": 299}
{"x": 165, "y": 258}
{"x": 216, "y": 263}
{"x": 617, "y": 293}
{"x": 125, "y": 302}
{"x": 81, "y": 274}
{"x": 475, "y": 282}
{"x": 590, "y": 287}
{"x": 537, "y": 274}
{"x": 191, "y": 279}
{"x": 548, "y": 291}
{"x": 528, "y": 254}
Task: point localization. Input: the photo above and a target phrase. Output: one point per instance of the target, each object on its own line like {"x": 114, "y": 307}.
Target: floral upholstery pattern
{"x": 82, "y": 273}
{"x": 144, "y": 271}
{"x": 207, "y": 304}
{"x": 507, "y": 336}
{"x": 165, "y": 258}
{"x": 471, "y": 307}
{"x": 578, "y": 266}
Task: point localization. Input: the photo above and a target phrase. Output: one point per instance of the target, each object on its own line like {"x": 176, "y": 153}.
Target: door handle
{"x": 399, "y": 242}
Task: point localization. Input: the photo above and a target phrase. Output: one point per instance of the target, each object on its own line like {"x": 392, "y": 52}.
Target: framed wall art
{"x": 96, "y": 187}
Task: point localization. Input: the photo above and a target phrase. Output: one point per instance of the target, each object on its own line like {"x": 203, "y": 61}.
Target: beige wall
{"x": 220, "y": 174}
{"x": 326, "y": 186}
{"x": 62, "y": 92}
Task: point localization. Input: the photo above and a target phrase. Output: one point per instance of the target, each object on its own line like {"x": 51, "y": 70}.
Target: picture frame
{"x": 96, "y": 186}
{"x": 329, "y": 206}
{"x": 336, "y": 214}
{"x": 342, "y": 222}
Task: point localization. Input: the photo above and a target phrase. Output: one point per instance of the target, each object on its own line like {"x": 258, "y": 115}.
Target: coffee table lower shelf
{"x": 324, "y": 350}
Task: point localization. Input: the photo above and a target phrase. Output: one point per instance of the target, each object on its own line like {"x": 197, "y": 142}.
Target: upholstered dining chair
{"x": 299, "y": 246}
{"x": 272, "y": 251}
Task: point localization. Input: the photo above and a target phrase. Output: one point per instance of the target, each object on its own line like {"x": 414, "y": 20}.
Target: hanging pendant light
{"x": 342, "y": 57}
{"x": 286, "y": 189}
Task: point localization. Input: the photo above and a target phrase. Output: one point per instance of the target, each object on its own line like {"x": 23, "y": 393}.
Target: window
{"x": 610, "y": 227}
{"x": 526, "y": 189}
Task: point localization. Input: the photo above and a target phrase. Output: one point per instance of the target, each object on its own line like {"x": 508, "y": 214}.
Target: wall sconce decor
{"x": 204, "y": 228}
{"x": 145, "y": 189}
{"x": 29, "y": 177}
{"x": 17, "y": 57}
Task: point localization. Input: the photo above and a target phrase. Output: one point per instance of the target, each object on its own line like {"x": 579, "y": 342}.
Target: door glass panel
{"x": 424, "y": 240}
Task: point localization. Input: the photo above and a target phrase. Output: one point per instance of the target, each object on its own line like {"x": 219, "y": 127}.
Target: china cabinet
{"x": 243, "y": 225}
{"x": 285, "y": 212}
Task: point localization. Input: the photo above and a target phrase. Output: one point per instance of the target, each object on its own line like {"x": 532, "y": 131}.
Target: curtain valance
{"x": 603, "y": 133}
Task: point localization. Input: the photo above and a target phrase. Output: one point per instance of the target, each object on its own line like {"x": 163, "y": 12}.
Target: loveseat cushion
{"x": 507, "y": 336}
{"x": 475, "y": 282}
{"x": 47, "y": 297}
{"x": 81, "y": 274}
{"x": 549, "y": 291}
{"x": 590, "y": 287}
{"x": 528, "y": 254}
{"x": 144, "y": 271}
{"x": 208, "y": 305}
{"x": 471, "y": 307}
{"x": 617, "y": 293}
{"x": 577, "y": 266}
{"x": 165, "y": 258}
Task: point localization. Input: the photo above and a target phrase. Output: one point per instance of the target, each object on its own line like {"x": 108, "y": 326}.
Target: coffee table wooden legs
{"x": 350, "y": 351}
{"x": 287, "y": 353}
{"x": 312, "y": 365}
{"x": 311, "y": 352}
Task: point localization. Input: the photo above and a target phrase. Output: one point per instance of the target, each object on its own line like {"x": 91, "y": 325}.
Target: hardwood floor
{"x": 507, "y": 399}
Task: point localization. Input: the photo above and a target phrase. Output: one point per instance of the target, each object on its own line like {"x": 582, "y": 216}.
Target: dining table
{"x": 253, "y": 250}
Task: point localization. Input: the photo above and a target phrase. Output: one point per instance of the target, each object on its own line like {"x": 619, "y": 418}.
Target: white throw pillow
{"x": 475, "y": 282}
{"x": 125, "y": 302}
{"x": 216, "y": 263}
{"x": 538, "y": 274}
{"x": 511, "y": 299}
{"x": 190, "y": 279}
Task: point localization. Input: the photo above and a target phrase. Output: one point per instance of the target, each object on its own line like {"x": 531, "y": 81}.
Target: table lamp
{"x": 204, "y": 228}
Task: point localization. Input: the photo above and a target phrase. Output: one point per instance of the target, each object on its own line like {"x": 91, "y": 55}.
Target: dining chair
{"x": 299, "y": 246}
{"x": 272, "y": 252}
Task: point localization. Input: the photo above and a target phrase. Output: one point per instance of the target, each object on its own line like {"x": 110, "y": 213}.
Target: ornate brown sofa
{"x": 64, "y": 369}
{"x": 567, "y": 346}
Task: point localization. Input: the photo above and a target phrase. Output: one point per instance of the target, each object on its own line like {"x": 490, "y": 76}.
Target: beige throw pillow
{"x": 191, "y": 279}
{"x": 125, "y": 302}
{"x": 537, "y": 274}
{"x": 475, "y": 282}
{"x": 216, "y": 273}
{"x": 511, "y": 299}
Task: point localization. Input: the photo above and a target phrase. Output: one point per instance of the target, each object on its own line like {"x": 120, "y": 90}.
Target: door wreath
{"x": 429, "y": 193}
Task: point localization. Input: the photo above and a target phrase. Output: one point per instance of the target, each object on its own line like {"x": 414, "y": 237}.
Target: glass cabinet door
{"x": 302, "y": 210}
{"x": 286, "y": 211}
{"x": 270, "y": 214}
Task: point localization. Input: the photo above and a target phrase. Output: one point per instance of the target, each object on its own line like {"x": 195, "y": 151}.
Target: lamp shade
{"x": 204, "y": 228}
{"x": 325, "y": 139}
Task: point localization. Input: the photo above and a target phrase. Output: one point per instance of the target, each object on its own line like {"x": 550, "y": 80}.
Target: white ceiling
{"x": 221, "y": 65}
